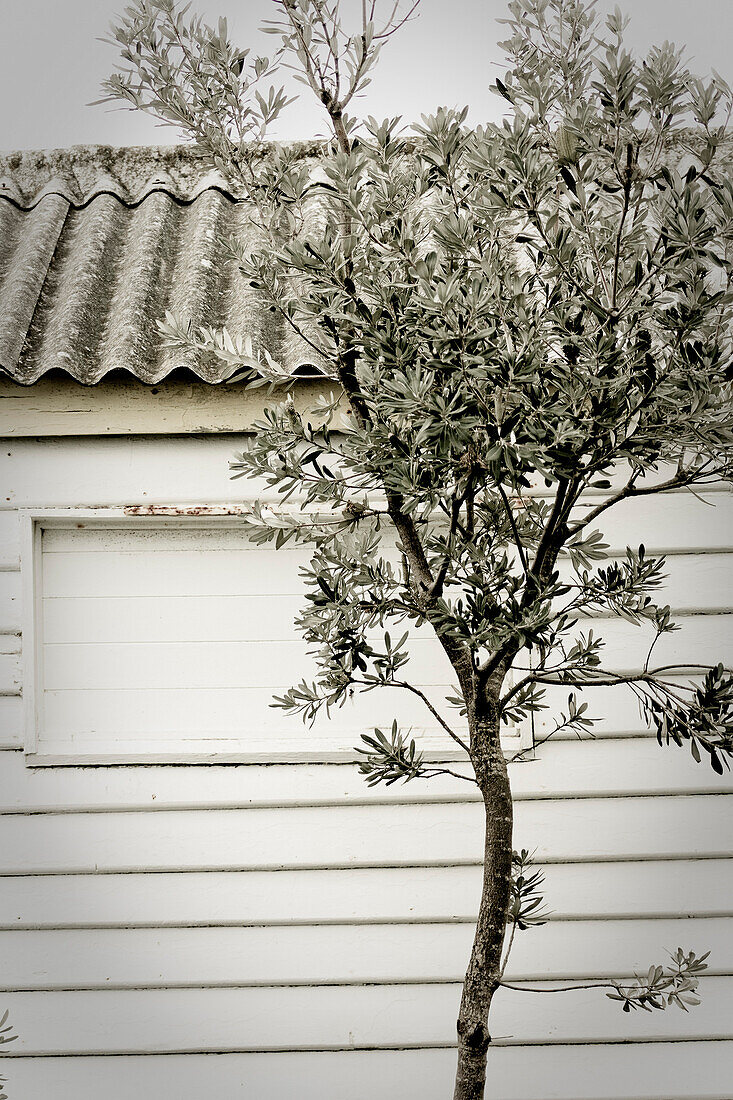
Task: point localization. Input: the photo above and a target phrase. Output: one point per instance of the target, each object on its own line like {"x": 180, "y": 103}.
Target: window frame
{"x": 107, "y": 752}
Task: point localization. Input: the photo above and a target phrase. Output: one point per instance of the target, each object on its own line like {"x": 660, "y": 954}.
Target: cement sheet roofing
{"x": 96, "y": 244}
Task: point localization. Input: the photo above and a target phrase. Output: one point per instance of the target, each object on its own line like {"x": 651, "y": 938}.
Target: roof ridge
{"x": 80, "y": 172}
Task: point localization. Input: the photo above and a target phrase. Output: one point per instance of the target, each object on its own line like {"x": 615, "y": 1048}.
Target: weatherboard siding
{"x": 678, "y": 1071}
{"x": 275, "y": 930}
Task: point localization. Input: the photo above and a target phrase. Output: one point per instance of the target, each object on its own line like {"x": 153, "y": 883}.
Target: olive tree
{"x": 525, "y": 323}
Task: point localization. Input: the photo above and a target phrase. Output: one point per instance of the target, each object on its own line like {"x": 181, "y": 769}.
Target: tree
{"x": 543, "y": 304}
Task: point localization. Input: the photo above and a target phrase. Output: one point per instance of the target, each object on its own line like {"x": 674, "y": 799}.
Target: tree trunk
{"x": 484, "y": 968}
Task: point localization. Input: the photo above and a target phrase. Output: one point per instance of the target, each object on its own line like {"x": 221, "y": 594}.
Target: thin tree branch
{"x": 437, "y": 585}
{"x": 513, "y": 525}
{"x": 421, "y": 695}
{"x": 604, "y": 679}
{"x": 436, "y": 715}
{"x": 448, "y": 771}
{"x": 389, "y": 28}
{"x": 559, "y": 989}
{"x": 627, "y": 491}
{"x": 624, "y": 212}
{"x": 508, "y": 949}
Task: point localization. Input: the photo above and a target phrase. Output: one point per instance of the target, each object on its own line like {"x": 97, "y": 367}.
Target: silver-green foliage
{"x": 540, "y": 305}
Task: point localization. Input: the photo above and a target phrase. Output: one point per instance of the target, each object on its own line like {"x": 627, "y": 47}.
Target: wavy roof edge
{"x": 98, "y": 243}
{"x": 81, "y": 172}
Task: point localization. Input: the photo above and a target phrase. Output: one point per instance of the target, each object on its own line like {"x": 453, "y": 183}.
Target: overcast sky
{"x": 51, "y": 63}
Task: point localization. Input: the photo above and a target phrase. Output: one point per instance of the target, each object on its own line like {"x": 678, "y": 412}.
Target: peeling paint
{"x": 182, "y": 510}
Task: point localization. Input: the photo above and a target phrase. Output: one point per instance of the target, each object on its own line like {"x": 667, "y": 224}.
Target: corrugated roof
{"x": 97, "y": 243}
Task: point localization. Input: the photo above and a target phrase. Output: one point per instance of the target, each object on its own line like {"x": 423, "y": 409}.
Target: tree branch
{"x": 681, "y": 479}
{"x": 436, "y": 715}
{"x": 436, "y": 588}
{"x": 560, "y": 989}
{"x": 624, "y": 211}
{"x": 512, "y": 522}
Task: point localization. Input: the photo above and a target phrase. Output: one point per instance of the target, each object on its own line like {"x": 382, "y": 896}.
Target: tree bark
{"x": 484, "y": 969}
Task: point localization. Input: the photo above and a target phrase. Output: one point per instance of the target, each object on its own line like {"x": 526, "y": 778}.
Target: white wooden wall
{"x": 165, "y": 640}
{"x": 278, "y": 931}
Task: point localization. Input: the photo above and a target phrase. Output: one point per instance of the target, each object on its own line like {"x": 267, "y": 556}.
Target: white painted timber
{"x": 693, "y": 582}
{"x": 345, "y": 955}
{"x": 639, "y": 1071}
{"x": 124, "y": 406}
{"x": 157, "y": 607}
{"x": 615, "y": 710}
{"x": 149, "y": 471}
{"x": 171, "y": 878}
{"x": 191, "y": 665}
{"x": 668, "y": 523}
{"x": 563, "y": 769}
{"x": 574, "y": 891}
{"x": 576, "y": 830}
{"x": 224, "y": 626}
{"x": 676, "y": 522}
{"x": 336, "y": 1017}
{"x": 140, "y": 471}
{"x": 161, "y": 636}
{"x": 703, "y": 639}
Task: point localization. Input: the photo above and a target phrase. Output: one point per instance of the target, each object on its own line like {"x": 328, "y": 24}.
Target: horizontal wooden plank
{"x": 614, "y": 709}
{"x": 163, "y": 572}
{"x": 678, "y": 525}
{"x": 412, "y": 894}
{"x": 677, "y": 522}
{"x": 215, "y": 665}
{"x": 342, "y": 954}
{"x": 158, "y": 618}
{"x": 212, "y": 715}
{"x": 236, "y": 664}
{"x": 695, "y": 583}
{"x": 575, "y": 830}
{"x": 136, "y": 1021}
{"x": 141, "y": 666}
{"x": 61, "y": 472}
{"x": 124, "y": 406}
{"x": 214, "y": 751}
{"x": 703, "y": 639}
{"x": 91, "y": 472}
{"x": 692, "y": 582}
{"x": 669, "y": 522}
{"x": 562, "y": 769}
{"x": 219, "y": 720}
{"x": 150, "y": 536}
{"x": 638, "y": 1071}
{"x": 159, "y": 721}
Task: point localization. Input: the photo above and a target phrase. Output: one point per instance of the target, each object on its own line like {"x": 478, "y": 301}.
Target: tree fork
{"x": 483, "y": 975}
